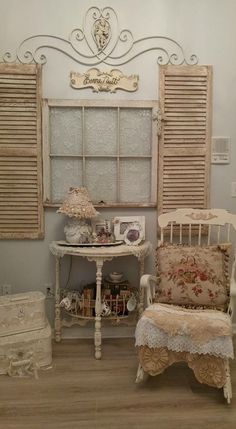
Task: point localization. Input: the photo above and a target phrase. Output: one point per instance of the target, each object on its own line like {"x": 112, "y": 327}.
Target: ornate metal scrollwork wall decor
{"x": 100, "y": 41}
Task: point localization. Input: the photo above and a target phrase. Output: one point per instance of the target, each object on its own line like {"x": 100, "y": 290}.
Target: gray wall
{"x": 204, "y": 27}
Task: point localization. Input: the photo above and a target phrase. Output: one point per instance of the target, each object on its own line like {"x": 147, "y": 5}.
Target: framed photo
{"x": 102, "y": 231}
{"x": 101, "y": 225}
{"x": 130, "y": 229}
{"x": 133, "y": 234}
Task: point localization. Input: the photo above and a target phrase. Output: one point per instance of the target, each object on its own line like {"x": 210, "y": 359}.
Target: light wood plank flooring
{"x": 80, "y": 392}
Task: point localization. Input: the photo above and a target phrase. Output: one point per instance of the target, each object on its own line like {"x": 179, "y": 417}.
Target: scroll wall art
{"x": 100, "y": 40}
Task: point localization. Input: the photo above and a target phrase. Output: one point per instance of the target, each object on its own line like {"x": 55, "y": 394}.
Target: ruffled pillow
{"x": 193, "y": 275}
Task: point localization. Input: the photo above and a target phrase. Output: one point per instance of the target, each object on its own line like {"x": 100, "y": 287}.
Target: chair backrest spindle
{"x": 180, "y": 234}
{"x": 171, "y": 232}
{"x": 190, "y": 235}
{"x": 218, "y": 234}
{"x": 199, "y": 234}
{"x": 209, "y": 235}
{"x": 228, "y": 232}
{"x": 207, "y": 226}
{"x": 162, "y": 235}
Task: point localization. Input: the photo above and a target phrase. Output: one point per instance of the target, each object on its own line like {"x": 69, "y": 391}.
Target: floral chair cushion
{"x": 193, "y": 275}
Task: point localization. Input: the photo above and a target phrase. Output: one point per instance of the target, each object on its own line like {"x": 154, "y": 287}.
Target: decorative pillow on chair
{"x": 193, "y": 275}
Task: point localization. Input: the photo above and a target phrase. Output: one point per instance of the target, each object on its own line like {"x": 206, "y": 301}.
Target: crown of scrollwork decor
{"x": 100, "y": 41}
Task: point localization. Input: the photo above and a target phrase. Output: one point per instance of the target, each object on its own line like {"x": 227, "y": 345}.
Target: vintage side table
{"x": 98, "y": 255}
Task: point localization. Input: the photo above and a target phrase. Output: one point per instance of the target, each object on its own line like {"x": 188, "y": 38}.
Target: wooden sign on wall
{"x": 104, "y": 81}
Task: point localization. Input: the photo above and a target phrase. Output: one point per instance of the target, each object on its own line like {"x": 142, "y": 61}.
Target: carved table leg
{"x": 97, "y": 333}
{"x": 57, "y": 322}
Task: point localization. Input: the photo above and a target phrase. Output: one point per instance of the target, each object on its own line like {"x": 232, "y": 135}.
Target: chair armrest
{"x": 232, "y": 290}
{"x": 232, "y": 279}
{"x": 149, "y": 283}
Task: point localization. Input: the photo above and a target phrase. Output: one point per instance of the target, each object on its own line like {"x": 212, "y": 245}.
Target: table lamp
{"x": 79, "y": 208}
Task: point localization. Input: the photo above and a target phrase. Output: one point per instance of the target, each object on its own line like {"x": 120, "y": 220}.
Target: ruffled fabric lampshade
{"x": 79, "y": 208}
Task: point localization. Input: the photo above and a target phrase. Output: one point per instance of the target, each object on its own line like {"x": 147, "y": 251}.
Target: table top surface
{"x": 61, "y": 248}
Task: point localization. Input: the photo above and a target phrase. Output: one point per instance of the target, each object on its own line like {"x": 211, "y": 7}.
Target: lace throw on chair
{"x": 179, "y": 329}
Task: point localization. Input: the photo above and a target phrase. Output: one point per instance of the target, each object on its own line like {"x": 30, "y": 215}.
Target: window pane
{"x": 88, "y": 143}
{"x": 101, "y": 179}
{"x": 66, "y": 130}
{"x": 100, "y": 130}
{"x": 135, "y": 131}
{"x": 64, "y": 174}
{"x": 135, "y": 180}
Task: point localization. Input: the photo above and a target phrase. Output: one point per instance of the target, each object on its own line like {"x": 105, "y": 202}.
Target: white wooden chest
{"x": 25, "y": 350}
{"x": 22, "y": 312}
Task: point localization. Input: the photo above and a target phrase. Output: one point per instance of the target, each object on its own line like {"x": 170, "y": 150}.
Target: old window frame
{"x": 116, "y": 104}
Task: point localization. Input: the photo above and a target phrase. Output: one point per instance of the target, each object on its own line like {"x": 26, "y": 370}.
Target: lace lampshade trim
{"x": 147, "y": 334}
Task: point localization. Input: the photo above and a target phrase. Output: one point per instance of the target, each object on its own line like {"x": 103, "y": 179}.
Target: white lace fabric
{"x": 153, "y": 337}
{"x": 193, "y": 337}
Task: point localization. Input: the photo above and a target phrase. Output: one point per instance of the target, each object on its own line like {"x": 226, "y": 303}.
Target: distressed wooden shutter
{"x": 21, "y": 210}
{"x": 184, "y": 152}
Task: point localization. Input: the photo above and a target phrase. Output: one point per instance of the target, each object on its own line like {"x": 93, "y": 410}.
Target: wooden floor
{"x": 80, "y": 392}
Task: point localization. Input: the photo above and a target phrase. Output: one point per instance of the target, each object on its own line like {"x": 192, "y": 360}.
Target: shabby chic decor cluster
{"x": 149, "y": 152}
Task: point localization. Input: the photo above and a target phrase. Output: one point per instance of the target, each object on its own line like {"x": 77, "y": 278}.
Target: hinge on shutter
{"x": 159, "y": 117}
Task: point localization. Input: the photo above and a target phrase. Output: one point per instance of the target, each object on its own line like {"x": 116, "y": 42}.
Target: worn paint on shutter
{"x": 21, "y": 210}
{"x": 184, "y": 152}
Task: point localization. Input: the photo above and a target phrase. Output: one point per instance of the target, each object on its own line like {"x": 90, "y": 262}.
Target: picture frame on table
{"x": 130, "y": 229}
{"x": 102, "y": 230}
{"x": 101, "y": 225}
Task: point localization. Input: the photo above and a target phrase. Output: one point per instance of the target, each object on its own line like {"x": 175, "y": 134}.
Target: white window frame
{"x": 152, "y": 104}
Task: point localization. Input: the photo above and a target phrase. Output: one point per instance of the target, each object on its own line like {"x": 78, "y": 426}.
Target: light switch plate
{"x": 220, "y": 150}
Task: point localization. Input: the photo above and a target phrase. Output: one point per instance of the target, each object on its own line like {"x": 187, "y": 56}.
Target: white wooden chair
{"x": 189, "y": 304}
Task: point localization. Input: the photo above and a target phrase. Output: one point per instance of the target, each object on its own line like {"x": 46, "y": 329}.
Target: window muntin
{"x": 109, "y": 148}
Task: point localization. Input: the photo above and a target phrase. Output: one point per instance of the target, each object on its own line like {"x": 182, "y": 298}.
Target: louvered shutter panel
{"x": 21, "y": 210}
{"x": 184, "y": 150}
